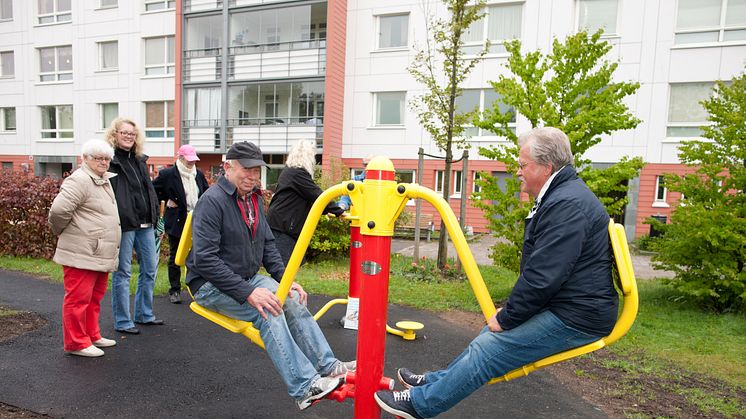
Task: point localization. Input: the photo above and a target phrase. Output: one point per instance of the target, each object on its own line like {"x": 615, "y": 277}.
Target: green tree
{"x": 570, "y": 88}
{"x": 441, "y": 67}
{"x": 705, "y": 244}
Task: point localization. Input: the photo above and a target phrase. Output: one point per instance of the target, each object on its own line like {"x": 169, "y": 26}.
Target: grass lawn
{"x": 666, "y": 329}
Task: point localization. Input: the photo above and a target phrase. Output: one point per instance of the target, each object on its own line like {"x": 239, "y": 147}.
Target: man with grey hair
{"x": 231, "y": 241}
{"x": 564, "y": 296}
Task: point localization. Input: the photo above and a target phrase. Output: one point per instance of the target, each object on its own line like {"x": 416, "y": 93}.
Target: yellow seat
{"x": 236, "y": 326}
{"x": 626, "y": 284}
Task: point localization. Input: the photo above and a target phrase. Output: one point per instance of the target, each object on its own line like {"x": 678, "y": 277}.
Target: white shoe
{"x": 90, "y": 352}
{"x": 319, "y": 389}
{"x": 104, "y": 343}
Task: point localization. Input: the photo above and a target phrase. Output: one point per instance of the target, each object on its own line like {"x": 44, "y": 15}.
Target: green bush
{"x": 24, "y": 206}
{"x": 331, "y": 239}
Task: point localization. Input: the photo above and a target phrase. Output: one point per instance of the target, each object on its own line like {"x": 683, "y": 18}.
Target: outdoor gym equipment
{"x": 380, "y": 201}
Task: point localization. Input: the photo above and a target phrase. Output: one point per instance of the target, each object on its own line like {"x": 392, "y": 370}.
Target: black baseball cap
{"x": 248, "y": 154}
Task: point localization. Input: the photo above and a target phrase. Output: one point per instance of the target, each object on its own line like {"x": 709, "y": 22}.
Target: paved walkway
{"x": 480, "y": 248}
{"x": 193, "y": 368}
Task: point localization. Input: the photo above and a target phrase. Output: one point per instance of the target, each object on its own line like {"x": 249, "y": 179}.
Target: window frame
{"x": 168, "y": 132}
{"x": 497, "y": 46}
{"x": 169, "y": 68}
{"x": 379, "y": 19}
{"x": 377, "y": 113}
{"x": 101, "y": 5}
{"x": 166, "y": 5}
{"x": 609, "y": 34}
{"x": 58, "y": 132}
{"x": 58, "y": 16}
{"x": 100, "y": 51}
{"x": 3, "y": 115}
{"x": 475, "y": 188}
{"x": 721, "y": 29}
{"x": 12, "y": 74}
{"x": 681, "y": 124}
{"x": 7, "y": 18}
{"x": 57, "y": 73}
{"x": 100, "y": 108}
{"x": 660, "y": 189}
{"x": 482, "y": 106}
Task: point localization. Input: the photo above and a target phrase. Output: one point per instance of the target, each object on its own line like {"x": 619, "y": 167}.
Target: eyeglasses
{"x": 100, "y": 159}
{"x": 523, "y": 166}
{"x": 127, "y": 133}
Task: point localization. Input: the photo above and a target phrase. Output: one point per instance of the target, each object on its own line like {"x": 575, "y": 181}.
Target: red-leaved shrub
{"x": 24, "y": 206}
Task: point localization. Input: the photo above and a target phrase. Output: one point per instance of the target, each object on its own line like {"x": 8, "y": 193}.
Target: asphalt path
{"x": 193, "y": 368}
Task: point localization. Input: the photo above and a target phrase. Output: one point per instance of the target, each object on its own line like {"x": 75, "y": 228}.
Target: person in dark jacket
{"x": 180, "y": 186}
{"x": 231, "y": 240}
{"x": 564, "y": 296}
{"x": 295, "y": 195}
{"x": 137, "y": 203}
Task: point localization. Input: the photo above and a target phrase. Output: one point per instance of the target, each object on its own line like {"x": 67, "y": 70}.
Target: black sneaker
{"x": 397, "y": 403}
{"x": 174, "y": 297}
{"x": 410, "y": 379}
{"x": 319, "y": 389}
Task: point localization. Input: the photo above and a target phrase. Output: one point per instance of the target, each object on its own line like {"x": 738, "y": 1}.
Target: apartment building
{"x": 211, "y": 72}
{"x": 68, "y": 67}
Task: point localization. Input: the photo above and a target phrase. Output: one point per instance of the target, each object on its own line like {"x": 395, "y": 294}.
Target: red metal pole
{"x": 371, "y": 339}
{"x": 356, "y": 254}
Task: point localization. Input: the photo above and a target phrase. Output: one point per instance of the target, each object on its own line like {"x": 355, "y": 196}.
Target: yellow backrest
{"x": 185, "y": 243}
{"x": 626, "y": 284}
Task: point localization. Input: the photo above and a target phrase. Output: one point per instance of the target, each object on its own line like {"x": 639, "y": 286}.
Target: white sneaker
{"x": 104, "y": 343}
{"x": 90, "y": 352}
{"x": 319, "y": 389}
{"x": 342, "y": 368}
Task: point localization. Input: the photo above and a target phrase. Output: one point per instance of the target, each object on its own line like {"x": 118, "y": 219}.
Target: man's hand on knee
{"x": 263, "y": 299}
{"x": 302, "y": 295}
{"x": 493, "y": 324}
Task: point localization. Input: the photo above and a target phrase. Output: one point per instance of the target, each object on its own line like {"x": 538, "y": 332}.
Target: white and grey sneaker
{"x": 342, "y": 368}
{"x": 104, "y": 343}
{"x": 318, "y": 390}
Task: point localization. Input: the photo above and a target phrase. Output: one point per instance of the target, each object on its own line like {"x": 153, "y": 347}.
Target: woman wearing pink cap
{"x": 180, "y": 186}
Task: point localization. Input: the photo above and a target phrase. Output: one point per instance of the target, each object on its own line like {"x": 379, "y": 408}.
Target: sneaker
{"x": 174, "y": 297}
{"x": 410, "y": 379}
{"x": 342, "y": 368}
{"x": 89, "y": 352}
{"x": 319, "y": 389}
{"x": 104, "y": 343}
{"x": 397, "y": 403}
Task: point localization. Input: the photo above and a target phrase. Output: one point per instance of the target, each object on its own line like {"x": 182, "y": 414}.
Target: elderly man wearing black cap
{"x": 231, "y": 240}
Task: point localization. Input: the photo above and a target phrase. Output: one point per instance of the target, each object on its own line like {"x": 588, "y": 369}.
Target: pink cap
{"x": 188, "y": 152}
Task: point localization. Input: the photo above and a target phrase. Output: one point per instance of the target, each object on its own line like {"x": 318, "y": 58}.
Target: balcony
{"x": 201, "y": 5}
{"x": 277, "y": 60}
{"x": 272, "y": 135}
{"x": 202, "y": 65}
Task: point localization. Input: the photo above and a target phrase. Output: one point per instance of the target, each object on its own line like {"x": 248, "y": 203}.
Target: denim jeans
{"x": 294, "y": 341}
{"x": 492, "y": 355}
{"x": 143, "y": 241}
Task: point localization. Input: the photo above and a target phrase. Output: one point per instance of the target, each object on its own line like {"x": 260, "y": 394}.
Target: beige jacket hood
{"x": 84, "y": 214}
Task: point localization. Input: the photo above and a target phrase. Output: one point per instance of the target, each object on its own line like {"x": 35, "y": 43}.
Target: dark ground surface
{"x": 193, "y": 368}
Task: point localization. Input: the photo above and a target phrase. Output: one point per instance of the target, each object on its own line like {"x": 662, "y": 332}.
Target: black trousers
{"x": 174, "y": 271}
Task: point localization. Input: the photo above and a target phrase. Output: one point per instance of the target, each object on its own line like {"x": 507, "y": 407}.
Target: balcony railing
{"x": 200, "y": 5}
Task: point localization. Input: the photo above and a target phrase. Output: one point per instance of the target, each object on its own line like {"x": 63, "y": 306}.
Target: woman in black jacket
{"x": 295, "y": 195}
{"x": 137, "y": 204}
{"x": 180, "y": 186}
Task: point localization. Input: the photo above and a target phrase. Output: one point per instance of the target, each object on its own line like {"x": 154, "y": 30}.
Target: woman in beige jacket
{"x": 85, "y": 216}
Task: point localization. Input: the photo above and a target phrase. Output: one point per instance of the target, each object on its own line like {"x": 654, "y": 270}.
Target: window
{"x": 406, "y": 176}
{"x": 475, "y": 187}
{"x": 159, "y": 119}
{"x": 151, "y": 5}
{"x": 598, "y": 14}
{"x": 389, "y": 108}
{"x": 53, "y": 11}
{"x": 685, "y": 114}
{"x": 56, "y": 63}
{"x": 439, "y": 181}
{"x": 501, "y": 22}
{"x": 159, "y": 56}
{"x": 108, "y": 55}
{"x": 107, "y": 112}
{"x": 456, "y": 181}
{"x": 7, "y": 165}
{"x": 205, "y": 33}
{"x": 280, "y": 28}
{"x": 710, "y": 21}
{"x": 660, "y": 192}
{"x": 6, "y": 9}
{"x": 7, "y": 119}
{"x": 482, "y": 100}
{"x": 57, "y": 121}
{"x": 393, "y": 31}
{"x": 107, "y": 4}
{"x": 7, "y": 64}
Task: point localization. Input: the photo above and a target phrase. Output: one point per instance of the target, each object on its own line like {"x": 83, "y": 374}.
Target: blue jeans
{"x": 492, "y": 355}
{"x": 294, "y": 341}
{"x": 143, "y": 241}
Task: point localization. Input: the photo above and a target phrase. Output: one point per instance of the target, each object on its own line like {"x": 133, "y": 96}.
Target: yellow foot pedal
{"x": 409, "y": 328}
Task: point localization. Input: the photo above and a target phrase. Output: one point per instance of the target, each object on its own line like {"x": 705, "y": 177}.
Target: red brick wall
{"x": 335, "y": 81}
{"x": 646, "y": 197}
{"x": 20, "y": 163}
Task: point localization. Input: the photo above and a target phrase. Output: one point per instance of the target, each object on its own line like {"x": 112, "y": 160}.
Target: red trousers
{"x": 81, "y": 306}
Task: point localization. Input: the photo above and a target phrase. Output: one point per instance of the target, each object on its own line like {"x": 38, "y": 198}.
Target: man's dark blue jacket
{"x": 566, "y": 261}
{"x": 224, "y": 252}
